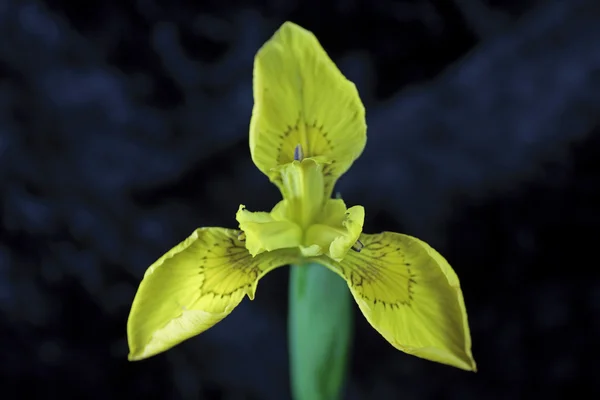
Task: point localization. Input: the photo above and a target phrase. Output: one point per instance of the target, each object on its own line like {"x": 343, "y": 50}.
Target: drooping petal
{"x": 301, "y": 98}
{"x": 409, "y": 293}
{"x": 192, "y": 287}
{"x": 266, "y": 233}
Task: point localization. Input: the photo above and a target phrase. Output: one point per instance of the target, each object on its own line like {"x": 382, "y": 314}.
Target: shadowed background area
{"x": 124, "y": 126}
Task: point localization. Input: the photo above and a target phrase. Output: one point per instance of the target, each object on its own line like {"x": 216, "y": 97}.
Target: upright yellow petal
{"x": 302, "y": 186}
{"x": 192, "y": 287}
{"x": 338, "y": 228}
{"x": 409, "y": 293}
{"x": 301, "y": 98}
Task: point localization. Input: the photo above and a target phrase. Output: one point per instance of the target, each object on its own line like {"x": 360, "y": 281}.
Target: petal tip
{"x": 136, "y": 355}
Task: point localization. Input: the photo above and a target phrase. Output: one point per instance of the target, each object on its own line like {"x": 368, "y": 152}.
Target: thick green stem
{"x": 320, "y": 331}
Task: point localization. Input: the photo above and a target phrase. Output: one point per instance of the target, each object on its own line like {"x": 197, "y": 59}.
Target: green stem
{"x": 320, "y": 331}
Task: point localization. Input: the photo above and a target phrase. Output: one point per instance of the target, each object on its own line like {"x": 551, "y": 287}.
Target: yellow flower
{"x": 307, "y": 128}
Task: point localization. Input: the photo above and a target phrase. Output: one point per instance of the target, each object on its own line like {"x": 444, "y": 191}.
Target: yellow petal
{"x": 265, "y": 233}
{"x": 301, "y": 98}
{"x": 338, "y": 228}
{"x": 353, "y": 224}
{"x": 409, "y": 293}
{"x": 192, "y": 287}
{"x": 302, "y": 188}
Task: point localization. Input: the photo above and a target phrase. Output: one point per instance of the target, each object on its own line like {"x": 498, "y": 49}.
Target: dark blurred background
{"x": 124, "y": 126}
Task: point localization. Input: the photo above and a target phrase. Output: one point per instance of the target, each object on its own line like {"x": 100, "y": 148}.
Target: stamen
{"x": 357, "y": 247}
{"x": 298, "y": 153}
{"x": 242, "y": 236}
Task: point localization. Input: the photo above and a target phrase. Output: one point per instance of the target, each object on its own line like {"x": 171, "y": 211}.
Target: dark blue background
{"x": 124, "y": 126}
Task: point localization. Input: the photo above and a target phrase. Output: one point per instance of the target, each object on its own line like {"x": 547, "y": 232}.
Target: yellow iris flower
{"x": 307, "y": 128}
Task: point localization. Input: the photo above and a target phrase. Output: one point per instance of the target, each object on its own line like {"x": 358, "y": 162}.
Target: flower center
{"x": 304, "y": 218}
